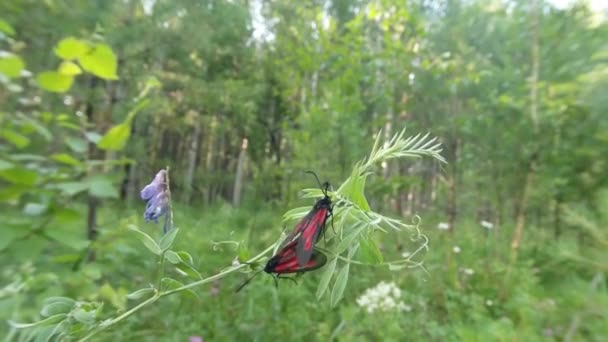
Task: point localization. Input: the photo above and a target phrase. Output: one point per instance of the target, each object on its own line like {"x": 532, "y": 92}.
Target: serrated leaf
{"x": 71, "y": 48}
{"x": 167, "y": 240}
{"x": 173, "y": 257}
{"x": 141, "y": 293}
{"x": 100, "y": 61}
{"x": 150, "y": 244}
{"x": 55, "y": 82}
{"x": 326, "y": 277}
{"x": 11, "y": 66}
{"x": 340, "y": 285}
{"x": 69, "y": 68}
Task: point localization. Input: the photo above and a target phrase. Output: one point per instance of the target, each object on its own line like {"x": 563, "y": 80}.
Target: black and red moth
{"x": 308, "y": 231}
{"x": 285, "y": 262}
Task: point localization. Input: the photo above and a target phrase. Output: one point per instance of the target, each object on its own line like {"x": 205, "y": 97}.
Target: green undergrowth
{"x": 466, "y": 291}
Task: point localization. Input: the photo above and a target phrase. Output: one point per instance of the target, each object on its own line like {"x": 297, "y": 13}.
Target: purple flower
{"x": 158, "y": 196}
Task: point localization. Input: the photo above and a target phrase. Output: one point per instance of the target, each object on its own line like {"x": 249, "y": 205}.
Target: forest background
{"x": 239, "y": 98}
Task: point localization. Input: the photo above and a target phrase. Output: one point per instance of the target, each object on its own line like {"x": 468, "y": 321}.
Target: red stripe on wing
{"x": 285, "y": 261}
{"x": 310, "y": 234}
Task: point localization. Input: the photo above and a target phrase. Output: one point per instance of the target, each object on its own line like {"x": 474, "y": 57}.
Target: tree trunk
{"x": 192, "y": 159}
{"x": 240, "y": 172}
{"x": 92, "y": 153}
{"x": 523, "y": 204}
{"x": 452, "y": 181}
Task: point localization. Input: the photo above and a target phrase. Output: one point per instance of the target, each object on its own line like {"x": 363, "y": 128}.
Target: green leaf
{"x": 173, "y": 257}
{"x": 150, "y": 244}
{"x": 46, "y": 334}
{"x": 167, "y": 240}
{"x": 100, "y": 61}
{"x": 189, "y": 271}
{"x": 64, "y": 300}
{"x": 102, "y": 187}
{"x": 66, "y": 159}
{"x": 6, "y": 28}
{"x": 369, "y": 251}
{"x": 18, "y": 140}
{"x": 116, "y": 138}
{"x": 54, "y": 81}
{"x": 20, "y": 176}
{"x": 168, "y": 284}
{"x": 348, "y": 239}
{"x": 72, "y": 188}
{"x": 71, "y": 48}
{"x": 83, "y": 316}
{"x": 326, "y": 277}
{"x": 56, "y": 308}
{"x": 243, "y": 253}
{"x": 76, "y": 144}
{"x": 354, "y": 190}
{"x": 49, "y": 320}
{"x": 141, "y": 293}
{"x": 339, "y": 286}
{"x": 186, "y": 257}
{"x": 69, "y": 68}
{"x": 35, "y": 209}
{"x": 11, "y": 66}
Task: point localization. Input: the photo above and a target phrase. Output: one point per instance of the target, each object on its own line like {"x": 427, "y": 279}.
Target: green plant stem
{"x": 157, "y": 295}
{"x": 161, "y": 270}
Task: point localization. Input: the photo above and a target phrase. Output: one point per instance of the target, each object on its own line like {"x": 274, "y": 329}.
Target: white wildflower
{"x": 468, "y": 271}
{"x": 456, "y": 249}
{"x": 383, "y": 297}
{"x": 443, "y": 226}
{"x": 489, "y": 302}
{"x": 486, "y": 224}
{"x": 406, "y": 255}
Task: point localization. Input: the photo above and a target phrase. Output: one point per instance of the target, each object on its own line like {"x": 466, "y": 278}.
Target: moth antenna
{"x": 323, "y": 186}
{"x": 247, "y": 281}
